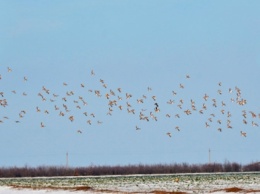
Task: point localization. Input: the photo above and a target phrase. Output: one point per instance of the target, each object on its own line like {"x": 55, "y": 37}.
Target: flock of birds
{"x": 117, "y": 99}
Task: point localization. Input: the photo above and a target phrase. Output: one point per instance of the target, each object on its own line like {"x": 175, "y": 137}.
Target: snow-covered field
{"x": 187, "y": 183}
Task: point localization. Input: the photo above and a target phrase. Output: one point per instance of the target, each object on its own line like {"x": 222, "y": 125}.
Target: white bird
{"x": 128, "y": 95}
{"x": 89, "y": 122}
{"x": 174, "y": 93}
{"x": 99, "y": 122}
{"x": 243, "y": 133}
{"x": 92, "y": 72}
{"x": 170, "y": 101}
{"x": 140, "y": 101}
{"x": 206, "y": 97}
{"x": 42, "y": 125}
{"x": 9, "y": 69}
{"x": 254, "y": 124}
{"x": 37, "y": 109}
{"x": 188, "y": 112}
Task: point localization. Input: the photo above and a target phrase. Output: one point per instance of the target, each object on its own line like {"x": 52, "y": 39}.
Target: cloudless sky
{"x": 131, "y": 45}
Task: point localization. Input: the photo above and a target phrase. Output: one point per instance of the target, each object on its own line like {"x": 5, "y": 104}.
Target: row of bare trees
{"x": 127, "y": 170}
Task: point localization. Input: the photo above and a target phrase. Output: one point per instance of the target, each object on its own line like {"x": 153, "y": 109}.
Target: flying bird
{"x": 71, "y": 118}
{"x": 92, "y": 72}
{"x": 9, "y": 69}
{"x": 243, "y": 133}
{"x": 42, "y": 125}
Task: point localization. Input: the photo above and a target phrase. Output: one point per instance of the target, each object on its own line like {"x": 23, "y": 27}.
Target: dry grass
{"x": 80, "y": 188}
{"x": 86, "y": 188}
{"x": 237, "y": 190}
{"x": 233, "y": 189}
{"x": 167, "y": 192}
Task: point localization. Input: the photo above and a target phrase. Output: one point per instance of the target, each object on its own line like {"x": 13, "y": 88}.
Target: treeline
{"x": 48, "y": 171}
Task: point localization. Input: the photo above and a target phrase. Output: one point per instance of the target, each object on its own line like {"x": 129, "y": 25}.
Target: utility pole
{"x": 67, "y": 160}
{"x": 209, "y": 157}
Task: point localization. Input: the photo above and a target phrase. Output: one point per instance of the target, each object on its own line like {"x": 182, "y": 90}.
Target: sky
{"x": 132, "y": 45}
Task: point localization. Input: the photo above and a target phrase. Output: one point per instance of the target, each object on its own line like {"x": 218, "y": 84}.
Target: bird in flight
{"x": 113, "y": 97}
{"x": 71, "y": 118}
{"x": 42, "y": 125}
{"x": 92, "y": 72}
{"x": 243, "y": 133}
{"x": 9, "y": 69}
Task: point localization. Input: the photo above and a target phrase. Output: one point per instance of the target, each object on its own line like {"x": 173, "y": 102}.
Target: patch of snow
{"x": 10, "y": 190}
{"x": 190, "y": 183}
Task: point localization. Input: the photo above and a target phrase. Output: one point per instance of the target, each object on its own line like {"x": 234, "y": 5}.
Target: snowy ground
{"x": 10, "y": 190}
{"x": 186, "y": 183}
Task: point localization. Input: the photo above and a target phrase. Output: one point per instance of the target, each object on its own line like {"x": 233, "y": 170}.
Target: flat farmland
{"x": 161, "y": 183}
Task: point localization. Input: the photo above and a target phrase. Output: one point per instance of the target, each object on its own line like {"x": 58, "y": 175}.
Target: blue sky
{"x": 132, "y": 45}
